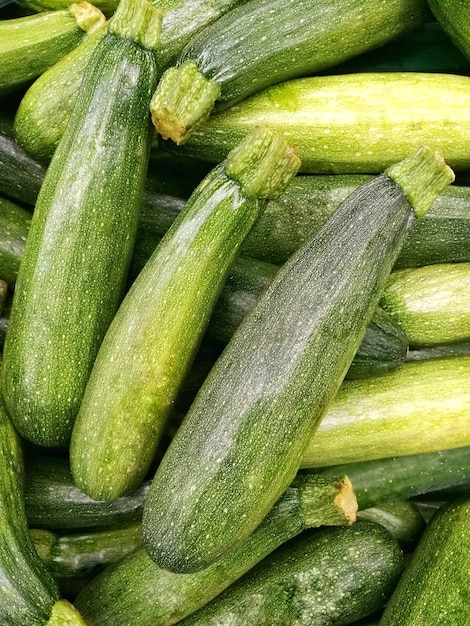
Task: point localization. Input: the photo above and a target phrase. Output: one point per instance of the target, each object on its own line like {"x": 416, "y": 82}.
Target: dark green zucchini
{"x": 20, "y": 176}
{"x": 430, "y": 303}
{"x": 263, "y": 400}
{"x": 268, "y": 41}
{"x": 3, "y": 295}
{"x": 14, "y": 226}
{"x": 422, "y": 406}
{"x": 82, "y": 233}
{"x": 350, "y": 123}
{"x": 327, "y": 576}
{"x": 401, "y": 518}
{"x": 161, "y": 321}
{"x": 136, "y": 591}
{"x": 29, "y": 45}
{"x": 53, "y": 95}
{"x": 444, "y": 350}
{"x": 53, "y": 500}
{"x": 452, "y": 15}
{"x": 435, "y": 587}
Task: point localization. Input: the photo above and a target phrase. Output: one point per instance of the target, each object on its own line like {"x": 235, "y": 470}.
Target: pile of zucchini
{"x": 234, "y": 313}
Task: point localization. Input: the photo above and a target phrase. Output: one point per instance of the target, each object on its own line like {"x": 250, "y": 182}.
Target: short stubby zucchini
{"x": 82, "y": 233}
{"x": 263, "y": 399}
{"x": 264, "y": 42}
{"x": 350, "y": 123}
{"x": 159, "y": 325}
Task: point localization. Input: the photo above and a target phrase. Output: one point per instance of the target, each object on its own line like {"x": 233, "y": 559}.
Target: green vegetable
{"x": 452, "y": 15}
{"x": 435, "y": 587}
{"x": 423, "y": 406}
{"x": 268, "y": 41}
{"x": 401, "y": 518}
{"x": 20, "y": 176}
{"x": 264, "y": 398}
{"x": 14, "y": 226}
{"x": 82, "y": 233}
{"x": 161, "y": 321}
{"x": 29, "y": 45}
{"x": 329, "y": 576}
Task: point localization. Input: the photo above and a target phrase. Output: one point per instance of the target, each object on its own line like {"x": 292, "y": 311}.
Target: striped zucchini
{"x": 268, "y": 41}
{"x": 262, "y": 401}
{"x": 82, "y": 233}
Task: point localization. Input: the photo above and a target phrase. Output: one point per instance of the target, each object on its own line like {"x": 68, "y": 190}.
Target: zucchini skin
{"x": 27, "y": 589}
{"x": 399, "y": 413}
{"x": 326, "y": 576}
{"x": 434, "y": 589}
{"x": 14, "y": 226}
{"x": 452, "y": 15}
{"x": 66, "y": 295}
{"x": 328, "y": 120}
{"x": 247, "y": 428}
{"x": 401, "y": 518}
{"x": 20, "y": 175}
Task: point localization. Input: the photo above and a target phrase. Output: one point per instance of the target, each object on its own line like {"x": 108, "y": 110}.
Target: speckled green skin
{"x": 80, "y": 243}
{"x": 435, "y": 587}
{"x": 422, "y": 406}
{"x": 431, "y": 303}
{"x": 328, "y": 576}
{"x": 241, "y": 442}
{"x": 14, "y": 225}
{"x": 268, "y": 41}
{"x": 27, "y": 589}
{"x": 20, "y": 176}
{"x": 29, "y": 45}
{"x": 452, "y": 15}
{"x": 353, "y": 123}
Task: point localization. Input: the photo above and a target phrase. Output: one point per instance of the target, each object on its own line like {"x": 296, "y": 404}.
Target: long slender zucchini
{"x": 430, "y": 303}
{"x": 161, "y": 321}
{"x": 268, "y": 41}
{"x": 136, "y": 591}
{"x": 14, "y": 226}
{"x": 328, "y": 576}
{"x": 350, "y": 123}
{"x": 423, "y": 406}
{"x": 82, "y": 233}
{"x": 53, "y": 95}
{"x": 435, "y": 587}
{"x": 29, "y": 45}
{"x": 262, "y": 401}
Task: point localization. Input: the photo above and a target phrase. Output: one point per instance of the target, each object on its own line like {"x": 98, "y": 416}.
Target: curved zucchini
{"x": 327, "y": 576}
{"x": 269, "y": 41}
{"x": 161, "y": 321}
{"x": 406, "y": 411}
{"x": 452, "y": 15}
{"x": 14, "y": 226}
{"x": 53, "y": 94}
{"x": 137, "y": 591}
{"x": 430, "y": 303}
{"x": 401, "y": 518}
{"x": 434, "y": 588}
{"x": 350, "y": 123}
{"x": 29, "y": 45}
{"x": 82, "y": 233}
{"x": 265, "y": 396}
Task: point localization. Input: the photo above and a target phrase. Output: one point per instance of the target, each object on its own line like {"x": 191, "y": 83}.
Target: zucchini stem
{"x": 87, "y": 16}
{"x": 139, "y": 21}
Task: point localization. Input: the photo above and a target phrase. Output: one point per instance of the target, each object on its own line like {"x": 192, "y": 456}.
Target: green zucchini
{"x": 401, "y": 518}
{"x": 136, "y": 591}
{"x": 443, "y": 350}
{"x": 20, "y": 176}
{"x": 52, "y": 500}
{"x": 161, "y": 321}
{"x": 435, "y": 587}
{"x": 14, "y": 226}
{"x": 268, "y": 41}
{"x": 350, "y": 123}
{"x": 52, "y": 96}
{"x": 430, "y": 303}
{"x": 3, "y": 295}
{"x": 263, "y": 399}
{"x": 328, "y": 576}
{"x": 452, "y": 15}
{"x": 80, "y": 242}
{"x": 422, "y": 406}
{"x": 29, "y": 45}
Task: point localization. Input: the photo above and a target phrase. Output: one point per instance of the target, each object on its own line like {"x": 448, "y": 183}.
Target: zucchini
{"x": 328, "y": 576}
{"x": 401, "y": 518}
{"x": 66, "y": 295}
{"x": 31, "y": 44}
{"x": 435, "y": 587}
{"x": 52, "y": 500}
{"x": 406, "y": 411}
{"x": 136, "y": 591}
{"x": 452, "y": 15}
{"x": 263, "y": 399}
{"x": 20, "y": 176}
{"x": 430, "y": 303}
{"x": 14, "y": 226}
{"x": 350, "y": 123}
{"x": 53, "y": 95}
{"x": 269, "y": 41}
{"x": 3, "y": 295}
{"x": 116, "y": 434}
